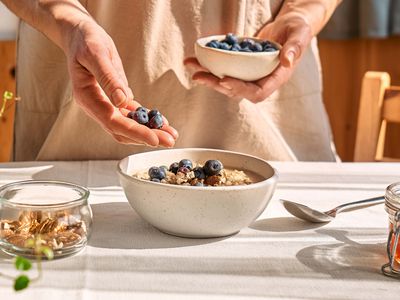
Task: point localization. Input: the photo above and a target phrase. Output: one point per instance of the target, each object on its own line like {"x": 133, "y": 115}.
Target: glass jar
{"x": 392, "y": 207}
{"x": 55, "y": 214}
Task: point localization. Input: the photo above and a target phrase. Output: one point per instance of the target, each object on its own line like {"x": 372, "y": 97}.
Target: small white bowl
{"x": 192, "y": 211}
{"x": 247, "y": 66}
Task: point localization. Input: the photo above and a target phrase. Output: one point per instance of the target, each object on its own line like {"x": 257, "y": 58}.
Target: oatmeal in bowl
{"x": 185, "y": 172}
{"x": 216, "y": 192}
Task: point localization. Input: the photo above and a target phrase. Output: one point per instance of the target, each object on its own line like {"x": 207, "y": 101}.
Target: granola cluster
{"x": 56, "y": 230}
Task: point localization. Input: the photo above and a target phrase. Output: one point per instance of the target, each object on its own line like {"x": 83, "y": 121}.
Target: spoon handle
{"x": 375, "y": 200}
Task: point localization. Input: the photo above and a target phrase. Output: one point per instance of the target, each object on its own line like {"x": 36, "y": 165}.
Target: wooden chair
{"x": 379, "y": 105}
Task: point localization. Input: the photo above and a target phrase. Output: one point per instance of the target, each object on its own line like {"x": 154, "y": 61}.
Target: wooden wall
{"x": 7, "y": 83}
{"x": 343, "y": 63}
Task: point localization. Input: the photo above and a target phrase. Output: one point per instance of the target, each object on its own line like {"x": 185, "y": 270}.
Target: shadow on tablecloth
{"x": 117, "y": 226}
{"x": 283, "y": 224}
{"x": 347, "y": 258}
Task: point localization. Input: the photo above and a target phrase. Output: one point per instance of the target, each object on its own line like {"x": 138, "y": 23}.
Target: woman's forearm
{"x": 51, "y": 17}
{"x": 315, "y": 12}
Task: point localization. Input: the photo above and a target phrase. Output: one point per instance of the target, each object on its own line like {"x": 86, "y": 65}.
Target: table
{"x": 277, "y": 257}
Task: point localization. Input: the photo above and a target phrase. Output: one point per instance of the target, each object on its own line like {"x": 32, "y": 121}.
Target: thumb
{"x": 294, "y": 47}
{"x": 110, "y": 80}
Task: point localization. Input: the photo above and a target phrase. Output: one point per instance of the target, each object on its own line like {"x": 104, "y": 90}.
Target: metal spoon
{"x": 308, "y": 214}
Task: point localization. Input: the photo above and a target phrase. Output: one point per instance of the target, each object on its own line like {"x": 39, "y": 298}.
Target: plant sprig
{"x": 22, "y": 264}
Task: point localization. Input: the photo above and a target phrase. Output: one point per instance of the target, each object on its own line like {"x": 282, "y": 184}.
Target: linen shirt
{"x": 153, "y": 37}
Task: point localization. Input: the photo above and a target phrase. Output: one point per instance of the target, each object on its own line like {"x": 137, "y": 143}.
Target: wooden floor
{"x": 344, "y": 64}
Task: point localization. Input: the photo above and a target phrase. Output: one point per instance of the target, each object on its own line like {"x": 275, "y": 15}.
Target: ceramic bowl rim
{"x": 272, "y": 179}
{"x": 203, "y": 40}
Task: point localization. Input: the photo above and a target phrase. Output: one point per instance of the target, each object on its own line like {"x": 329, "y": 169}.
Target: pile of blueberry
{"x": 152, "y": 119}
{"x": 206, "y": 175}
{"x": 232, "y": 43}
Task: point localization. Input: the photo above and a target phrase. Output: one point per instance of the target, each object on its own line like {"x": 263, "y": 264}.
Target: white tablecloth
{"x": 277, "y": 257}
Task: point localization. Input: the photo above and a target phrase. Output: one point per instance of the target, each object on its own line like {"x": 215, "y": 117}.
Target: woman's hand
{"x": 290, "y": 30}
{"x": 101, "y": 89}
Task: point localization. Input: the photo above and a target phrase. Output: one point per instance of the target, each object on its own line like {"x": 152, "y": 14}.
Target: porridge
{"x": 185, "y": 172}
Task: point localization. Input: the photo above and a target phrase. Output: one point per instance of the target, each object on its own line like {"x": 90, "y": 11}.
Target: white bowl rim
{"x": 216, "y": 37}
{"x": 266, "y": 181}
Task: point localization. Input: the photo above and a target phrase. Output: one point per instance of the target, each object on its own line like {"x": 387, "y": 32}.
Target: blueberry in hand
{"x": 140, "y": 108}
{"x": 231, "y": 39}
{"x": 156, "y": 122}
{"x": 156, "y": 172}
{"x": 212, "y": 167}
{"x": 186, "y": 163}
{"x": 153, "y": 113}
{"x": 199, "y": 173}
{"x": 139, "y": 116}
{"x": 174, "y": 167}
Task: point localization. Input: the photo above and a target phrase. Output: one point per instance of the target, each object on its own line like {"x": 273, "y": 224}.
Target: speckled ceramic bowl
{"x": 197, "y": 212}
{"x": 242, "y": 65}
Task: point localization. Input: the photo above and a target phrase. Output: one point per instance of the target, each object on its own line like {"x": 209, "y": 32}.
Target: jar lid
{"x": 392, "y": 198}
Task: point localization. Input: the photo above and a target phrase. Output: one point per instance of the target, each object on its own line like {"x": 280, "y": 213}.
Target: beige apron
{"x": 153, "y": 37}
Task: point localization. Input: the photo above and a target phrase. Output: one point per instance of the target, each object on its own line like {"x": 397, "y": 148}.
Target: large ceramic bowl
{"x": 198, "y": 212}
{"x": 247, "y": 66}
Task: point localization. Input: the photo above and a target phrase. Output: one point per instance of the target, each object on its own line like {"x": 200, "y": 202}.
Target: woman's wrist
{"x": 315, "y": 14}
{"x": 54, "y": 18}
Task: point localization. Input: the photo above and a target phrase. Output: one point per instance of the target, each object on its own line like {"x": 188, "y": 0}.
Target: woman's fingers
{"x": 211, "y": 81}
{"x": 193, "y": 64}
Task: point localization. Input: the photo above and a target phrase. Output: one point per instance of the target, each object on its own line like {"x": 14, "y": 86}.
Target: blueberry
{"x": 269, "y": 49}
{"x": 156, "y": 172}
{"x": 165, "y": 168}
{"x": 156, "y": 122}
{"x": 256, "y": 47}
{"x": 186, "y": 163}
{"x": 231, "y": 39}
{"x": 246, "y": 43}
{"x": 212, "y": 167}
{"x": 153, "y": 113}
{"x": 155, "y": 180}
{"x": 183, "y": 170}
{"x": 140, "y": 108}
{"x": 174, "y": 167}
{"x": 139, "y": 116}
{"x": 224, "y": 46}
{"x": 236, "y": 47}
{"x": 213, "y": 44}
{"x": 199, "y": 173}
{"x": 198, "y": 183}
{"x": 246, "y": 49}
{"x": 265, "y": 44}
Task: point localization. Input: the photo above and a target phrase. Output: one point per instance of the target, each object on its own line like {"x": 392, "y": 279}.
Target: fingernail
{"x": 290, "y": 57}
{"x": 118, "y": 97}
{"x": 226, "y": 85}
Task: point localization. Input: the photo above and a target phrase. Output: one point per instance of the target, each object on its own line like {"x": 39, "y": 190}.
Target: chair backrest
{"x": 379, "y": 104}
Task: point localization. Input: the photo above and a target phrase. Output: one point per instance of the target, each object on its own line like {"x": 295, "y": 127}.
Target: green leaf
{"x": 22, "y": 264}
{"x": 21, "y": 282}
{"x": 47, "y": 251}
